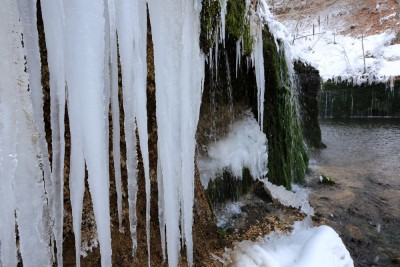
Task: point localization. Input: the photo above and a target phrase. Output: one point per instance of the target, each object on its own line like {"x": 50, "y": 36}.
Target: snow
{"x": 313, "y": 247}
{"x": 297, "y": 198}
{"x": 306, "y": 246}
{"x": 341, "y": 56}
{"x": 179, "y": 72}
{"x": 245, "y": 146}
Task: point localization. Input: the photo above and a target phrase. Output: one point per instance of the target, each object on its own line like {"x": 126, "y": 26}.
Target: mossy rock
{"x": 228, "y": 187}
{"x": 326, "y": 180}
{"x": 287, "y": 153}
{"x": 210, "y": 17}
{"x": 236, "y": 20}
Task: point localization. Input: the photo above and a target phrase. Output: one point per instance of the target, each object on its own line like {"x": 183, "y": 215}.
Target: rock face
{"x": 309, "y": 83}
{"x": 287, "y": 153}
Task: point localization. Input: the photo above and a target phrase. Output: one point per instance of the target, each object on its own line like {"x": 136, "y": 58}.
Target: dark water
{"x": 363, "y": 157}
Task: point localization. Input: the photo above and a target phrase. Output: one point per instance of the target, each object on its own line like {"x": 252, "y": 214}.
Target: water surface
{"x": 363, "y": 156}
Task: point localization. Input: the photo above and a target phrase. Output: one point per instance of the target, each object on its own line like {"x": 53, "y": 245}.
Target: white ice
{"x": 53, "y": 20}
{"x": 245, "y": 146}
{"x": 22, "y": 197}
{"x": 84, "y": 66}
{"x": 179, "y": 69}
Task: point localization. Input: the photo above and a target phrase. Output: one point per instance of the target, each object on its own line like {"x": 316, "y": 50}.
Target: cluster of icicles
{"x": 82, "y": 52}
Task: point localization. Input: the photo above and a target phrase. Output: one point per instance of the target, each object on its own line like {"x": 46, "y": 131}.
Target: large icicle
{"x": 21, "y": 179}
{"x": 53, "y": 20}
{"x": 8, "y": 163}
{"x": 132, "y": 34}
{"x": 84, "y": 66}
{"x": 179, "y": 68}
{"x": 257, "y": 58}
{"x": 27, "y": 10}
{"x": 115, "y": 108}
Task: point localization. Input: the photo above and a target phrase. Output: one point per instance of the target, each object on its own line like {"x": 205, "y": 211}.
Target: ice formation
{"x": 84, "y": 68}
{"x": 83, "y": 39}
{"x": 22, "y": 192}
{"x": 257, "y": 58}
{"x": 132, "y": 35}
{"x": 245, "y": 146}
{"x": 53, "y": 23}
{"x": 179, "y": 70}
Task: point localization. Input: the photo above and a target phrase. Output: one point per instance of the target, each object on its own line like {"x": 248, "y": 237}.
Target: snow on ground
{"x": 313, "y": 247}
{"x": 297, "y": 198}
{"x": 306, "y": 246}
{"x": 342, "y": 56}
{"x": 245, "y": 146}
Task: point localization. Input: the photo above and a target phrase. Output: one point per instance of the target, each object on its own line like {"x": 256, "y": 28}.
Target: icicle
{"x": 27, "y": 10}
{"x": 85, "y": 78}
{"x": 216, "y": 53}
{"x": 229, "y": 83}
{"x": 238, "y": 55}
{"x": 140, "y": 89}
{"x": 21, "y": 177}
{"x": 222, "y": 25}
{"x": 258, "y": 62}
{"x": 115, "y": 108}
{"x": 132, "y": 33}
{"x": 161, "y": 208}
{"x": 8, "y": 163}
{"x": 179, "y": 68}
{"x": 53, "y": 19}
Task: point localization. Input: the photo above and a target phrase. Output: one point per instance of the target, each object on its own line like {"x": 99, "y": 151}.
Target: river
{"x": 363, "y": 157}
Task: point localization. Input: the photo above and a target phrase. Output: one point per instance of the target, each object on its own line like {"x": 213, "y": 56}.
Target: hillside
{"x": 357, "y": 41}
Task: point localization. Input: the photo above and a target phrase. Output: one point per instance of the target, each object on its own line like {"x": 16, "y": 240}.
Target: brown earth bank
{"x": 347, "y": 17}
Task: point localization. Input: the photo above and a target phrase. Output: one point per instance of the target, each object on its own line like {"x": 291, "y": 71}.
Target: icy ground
{"x": 245, "y": 146}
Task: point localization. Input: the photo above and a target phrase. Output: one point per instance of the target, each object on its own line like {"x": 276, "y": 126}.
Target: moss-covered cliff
{"x": 227, "y": 86}
{"x": 287, "y": 153}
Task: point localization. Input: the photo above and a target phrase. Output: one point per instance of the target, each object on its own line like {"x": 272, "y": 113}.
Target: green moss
{"x": 237, "y": 24}
{"x": 287, "y": 153}
{"x": 235, "y": 18}
{"x": 247, "y": 40}
{"x": 210, "y": 18}
{"x": 326, "y": 180}
{"x": 227, "y": 187}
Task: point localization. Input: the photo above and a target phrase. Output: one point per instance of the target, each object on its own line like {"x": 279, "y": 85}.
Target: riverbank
{"x": 362, "y": 156}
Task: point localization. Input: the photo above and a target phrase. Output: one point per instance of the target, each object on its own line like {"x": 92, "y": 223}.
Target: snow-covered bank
{"x": 305, "y": 246}
{"x": 313, "y": 247}
{"x": 342, "y": 56}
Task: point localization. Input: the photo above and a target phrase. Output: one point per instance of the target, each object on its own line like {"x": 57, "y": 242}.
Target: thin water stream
{"x": 363, "y": 157}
